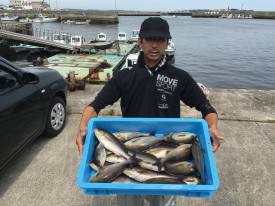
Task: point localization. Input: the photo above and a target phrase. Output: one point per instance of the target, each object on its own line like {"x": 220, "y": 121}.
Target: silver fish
{"x": 124, "y": 179}
{"x": 145, "y": 157}
{"x": 112, "y": 158}
{"x": 191, "y": 180}
{"x": 180, "y": 137}
{"x": 94, "y": 166}
{"x": 198, "y": 159}
{"x": 142, "y": 175}
{"x": 110, "y": 142}
{"x": 150, "y": 166}
{"x": 181, "y": 153}
{"x": 179, "y": 168}
{"x": 100, "y": 155}
{"x": 163, "y": 180}
{"x": 160, "y": 151}
{"x": 142, "y": 143}
{"x": 125, "y": 136}
{"x": 111, "y": 172}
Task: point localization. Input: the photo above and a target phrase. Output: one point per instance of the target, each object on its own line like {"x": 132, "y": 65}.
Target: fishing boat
{"x": 100, "y": 42}
{"x": 171, "y": 49}
{"x": 130, "y": 60}
{"x": 81, "y": 22}
{"x": 44, "y": 19}
{"x": 6, "y": 17}
{"x": 20, "y": 48}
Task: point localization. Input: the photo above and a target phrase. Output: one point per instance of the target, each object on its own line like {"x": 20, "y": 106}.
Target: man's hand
{"x": 216, "y": 138}
{"x": 88, "y": 113}
{"x": 79, "y": 139}
{"x": 212, "y": 120}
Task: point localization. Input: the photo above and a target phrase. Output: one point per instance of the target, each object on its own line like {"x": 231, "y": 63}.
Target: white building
{"x": 21, "y": 4}
{"x": 29, "y": 4}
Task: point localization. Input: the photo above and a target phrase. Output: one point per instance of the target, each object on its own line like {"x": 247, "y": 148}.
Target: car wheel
{"x": 56, "y": 117}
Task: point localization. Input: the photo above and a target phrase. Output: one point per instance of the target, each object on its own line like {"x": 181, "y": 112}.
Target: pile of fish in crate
{"x": 135, "y": 157}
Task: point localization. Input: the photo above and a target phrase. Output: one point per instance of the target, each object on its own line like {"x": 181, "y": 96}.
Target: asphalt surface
{"x": 44, "y": 173}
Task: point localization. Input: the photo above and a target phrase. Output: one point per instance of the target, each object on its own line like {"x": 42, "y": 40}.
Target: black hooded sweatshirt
{"x": 145, "y": 93}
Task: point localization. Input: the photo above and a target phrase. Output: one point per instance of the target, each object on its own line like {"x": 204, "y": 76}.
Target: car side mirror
{"x": 29, "y": 78}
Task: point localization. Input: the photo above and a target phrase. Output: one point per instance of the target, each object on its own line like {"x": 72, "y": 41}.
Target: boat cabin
{"x": 101, "y": 37}
{"x": 62, "y": 38}
{"x": 131, "y": 60}
{"x": 122, "y": 36}
{"x": 77, "y": 40}
{"x": 134, "y": 35}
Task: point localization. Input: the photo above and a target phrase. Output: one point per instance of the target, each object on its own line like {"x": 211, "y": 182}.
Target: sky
{"x": 161, "y": 5}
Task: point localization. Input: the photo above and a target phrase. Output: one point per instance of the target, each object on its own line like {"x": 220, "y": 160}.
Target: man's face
{"x": 153, "y": 48}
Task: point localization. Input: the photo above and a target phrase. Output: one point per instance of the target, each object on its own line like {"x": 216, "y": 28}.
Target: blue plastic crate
{"x": 162, "y": 126}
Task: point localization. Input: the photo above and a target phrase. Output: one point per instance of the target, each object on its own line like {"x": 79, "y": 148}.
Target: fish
{"x": 94, "y": 166}
{"x": 179, "y": 168}
{"x": 150, "y": 166}
{"x": 191, "y": 180}
{"x": 198, "y": 159}
{"x": 111, "y": 172}
{"x": 142, "y": 143}
{"x": 100, "y": 155}
{"x": 180, "y": 153}
{"x": 124, "y": 179}
{"x": 180, "y": 137}
{"x": 142, "y": 175}
{"x": 125, "y": 136}
{"x": 163, "y": 180}
{"x": 112, "y": 158}
{"x": 111, "y": 143}
{"x": 160, "y": 151}
{"x": 145, "y": 157}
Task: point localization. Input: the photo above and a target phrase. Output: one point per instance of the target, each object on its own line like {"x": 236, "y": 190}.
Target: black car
{"x": 32, "y": 101}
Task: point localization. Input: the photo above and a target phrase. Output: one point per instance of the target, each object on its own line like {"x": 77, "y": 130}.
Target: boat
{"x": 44, "y": 19}
{"x": 6, "y": 17}
{"x": 26, "y": 20}
{"x": 77, "y": 40}
{"x": 81, "y": 23}
{"x": 20, "y": 48}
{"x": 134, "y": 36}
{"x": 130, "y": 61}
{"x": 122, "y": 36}
{"x": 62, "y": 38}
{"x": 171, "y": 49}
{"x": 100, "y": 42}
{"x": 68, "y": 22}
{"x": 94, "y": 44}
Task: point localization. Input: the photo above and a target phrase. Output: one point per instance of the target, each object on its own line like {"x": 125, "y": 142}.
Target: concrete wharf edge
{"x": 45, "y": 172}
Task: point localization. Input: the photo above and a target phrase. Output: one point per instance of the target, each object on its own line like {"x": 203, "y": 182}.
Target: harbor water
{"x": 220, "y": 53}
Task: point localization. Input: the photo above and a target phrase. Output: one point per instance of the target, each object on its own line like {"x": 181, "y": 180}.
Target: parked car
{"x": 32, "y": 101}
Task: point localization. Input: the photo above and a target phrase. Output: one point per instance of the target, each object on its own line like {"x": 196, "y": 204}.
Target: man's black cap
{"x": 154, "y": 27}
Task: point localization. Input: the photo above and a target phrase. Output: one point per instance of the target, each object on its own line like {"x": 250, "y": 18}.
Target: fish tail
{"x": 94, "y": 166}
{"x": 133, "y": 160}
{"x": 167, "y": 137}
{"x": 160, "y": 163}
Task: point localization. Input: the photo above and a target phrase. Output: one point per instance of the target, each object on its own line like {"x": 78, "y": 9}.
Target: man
{"x": 152, "y": 88}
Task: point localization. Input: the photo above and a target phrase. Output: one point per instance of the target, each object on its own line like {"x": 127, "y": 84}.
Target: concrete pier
{"x": 45, "y": 172}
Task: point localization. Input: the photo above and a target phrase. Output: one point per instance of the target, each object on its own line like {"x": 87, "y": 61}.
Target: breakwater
{"x": 92, "y": 17}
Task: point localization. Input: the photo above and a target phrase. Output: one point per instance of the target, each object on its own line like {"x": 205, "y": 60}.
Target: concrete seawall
{"x": 45, "y": 172}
